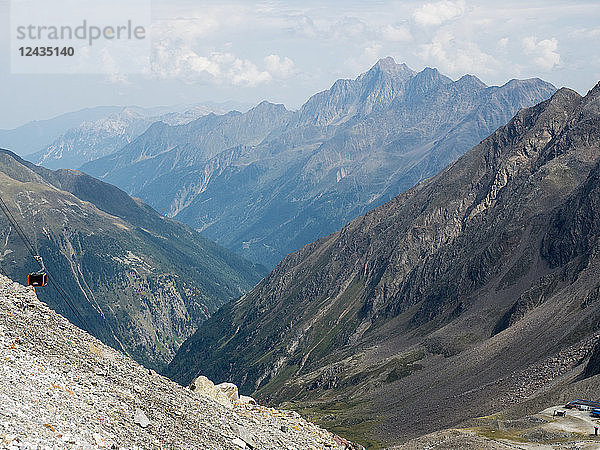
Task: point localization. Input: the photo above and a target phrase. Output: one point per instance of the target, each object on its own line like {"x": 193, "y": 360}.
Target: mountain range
{"x": 94, "y": 139}
{"x": 64, "y": 136}
{"x": 138, "y": 281}
{"x": 475, "y": 290}
{"x": 266, "y": 182}
{"x": 34, "y": 136}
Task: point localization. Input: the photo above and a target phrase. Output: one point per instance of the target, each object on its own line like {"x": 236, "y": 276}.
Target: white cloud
{"x": 279, "y": 67}
{"x": 396, "y": 33}
{"x": 457, "y": 57}
{"x": 304, "y": 26}
{"x": 502, "y": 43}
{"x": 245, "y": 73}
{"x": 180, "y": 51}
{"x": 594, "y": 33}
{"x": 372, "y": 52}
{"x": 332, "y": 29}
{"x": 544, "y": 52}
{"x": 349, "y": 27}
{"x": 185, "y": 29}
{"x": 439, "y": 12}
{"x": 585, "y": 33}
{"x": 220, "y": 68}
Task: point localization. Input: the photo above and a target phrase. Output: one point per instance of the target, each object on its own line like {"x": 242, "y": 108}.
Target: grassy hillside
{"x": 141, "y": 282}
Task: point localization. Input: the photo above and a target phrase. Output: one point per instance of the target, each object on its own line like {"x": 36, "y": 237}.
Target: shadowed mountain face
{"x": 267, "y": 182}
{"x": 141, "y": 282}
{"x": 443, "y": 304}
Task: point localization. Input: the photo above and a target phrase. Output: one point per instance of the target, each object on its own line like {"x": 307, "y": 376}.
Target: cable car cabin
{"x": 38, "y": 279}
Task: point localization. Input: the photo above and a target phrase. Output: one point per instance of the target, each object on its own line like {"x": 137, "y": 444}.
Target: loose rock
{"x": 239, "y": 443}
{"x": 230, "y": 390}
{"x": 141, "y": 419}
{"x": 246, "y": 400}
{"x": 88, "y": 410}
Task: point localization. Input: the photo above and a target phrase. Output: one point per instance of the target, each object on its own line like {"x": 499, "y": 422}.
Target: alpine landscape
{"x": 283, "y": 226}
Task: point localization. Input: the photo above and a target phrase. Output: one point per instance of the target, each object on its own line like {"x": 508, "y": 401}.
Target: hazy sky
{"x": 284, "y": 51}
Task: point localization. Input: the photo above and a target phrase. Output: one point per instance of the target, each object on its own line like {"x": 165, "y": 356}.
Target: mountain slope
{"x": 91, "y": 140}
{"x": 61, "y": 388}
{"x": 305, "y": 174}
{"x": 163, "y": 148}
{"x": 448, "y": 302}
{"x": 36, "y": 135}
{"x": 141, "y": 282}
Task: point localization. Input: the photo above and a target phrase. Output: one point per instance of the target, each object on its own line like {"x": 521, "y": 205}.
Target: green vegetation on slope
{"x": 448, "y": 302}
{"x": 141, "y": 282}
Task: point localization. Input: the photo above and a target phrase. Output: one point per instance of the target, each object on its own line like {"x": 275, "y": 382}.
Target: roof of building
{"x": 585, "y": 403}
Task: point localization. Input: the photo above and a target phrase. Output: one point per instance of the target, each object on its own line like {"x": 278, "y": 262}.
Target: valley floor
{"x": 539, "y": 431}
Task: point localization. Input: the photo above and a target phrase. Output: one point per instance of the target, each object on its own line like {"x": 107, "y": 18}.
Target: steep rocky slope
{"x": 448, "y": 302}
{"x": 267, "y": 182}
{"x": 141, "y": 282}
{"x": 62, "y": 388}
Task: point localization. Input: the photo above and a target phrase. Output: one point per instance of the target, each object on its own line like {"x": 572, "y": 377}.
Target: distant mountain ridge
{"x": 266, "y": 182}
{"x": 141, "y": 282}
{"x": 94, "y": 139}
{"x": 475, "y": 290}
{"x": 163, "y": 148}
{"x": 34, "y": 136}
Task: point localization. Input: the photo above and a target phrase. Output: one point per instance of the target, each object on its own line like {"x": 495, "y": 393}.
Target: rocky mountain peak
{"x": 430, "y": 75}
{"x": 266, "y": 107}
{"x": 371, "y": 91}
{"x": 429, "y": 79}
{"x": 564, "y": 96}
{"x": 386, "y": 63}
{"x": 594, "y": 92}
{"x": 129, "y": 112}
{"x": 389, "y": 66}
{"x": 471, "y": 81}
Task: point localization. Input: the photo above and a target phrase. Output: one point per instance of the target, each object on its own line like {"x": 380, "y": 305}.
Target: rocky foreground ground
{"x": 62, "y": 388}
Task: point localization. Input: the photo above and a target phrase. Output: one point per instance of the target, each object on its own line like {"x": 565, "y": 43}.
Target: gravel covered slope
{"x": 62, "y": 388}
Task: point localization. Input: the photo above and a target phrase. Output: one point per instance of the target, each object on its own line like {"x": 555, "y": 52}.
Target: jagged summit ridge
{"x": 284, "y": 178}
{"x": 389, "y": 66}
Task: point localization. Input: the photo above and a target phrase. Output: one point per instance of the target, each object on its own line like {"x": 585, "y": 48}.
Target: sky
{"x": 285, "y": 51}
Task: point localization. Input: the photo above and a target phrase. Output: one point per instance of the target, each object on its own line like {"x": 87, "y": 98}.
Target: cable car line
{"x": 17, "y": 227}
{"x": 29, "y": 246}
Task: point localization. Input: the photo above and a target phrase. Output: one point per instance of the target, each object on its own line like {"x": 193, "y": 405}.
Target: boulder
{"x": 244, "y": 434}
{"x": 203, "y": 386}
{"x": 239, "y": 443}
{"x": 140, "y": 418}
{"x": 246, "y": 400}
{"x": 230, "y": 390}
